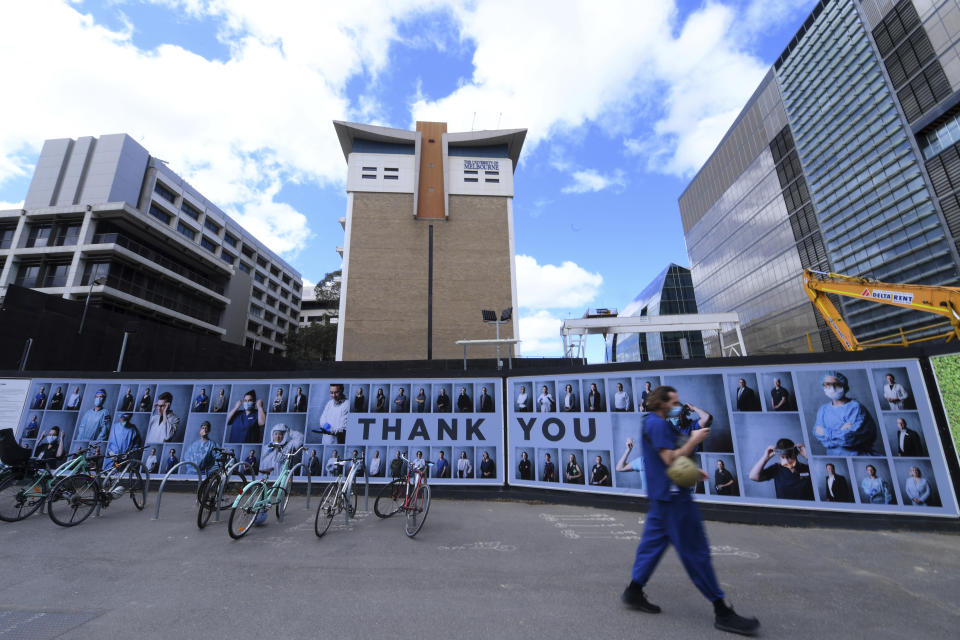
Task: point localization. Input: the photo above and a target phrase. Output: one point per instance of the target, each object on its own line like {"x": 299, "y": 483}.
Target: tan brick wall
{"x": 471, "y": 272}
{"x": 385, "y": 316}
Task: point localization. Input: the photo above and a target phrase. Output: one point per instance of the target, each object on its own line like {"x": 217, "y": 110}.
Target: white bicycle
{"x": 339, "y": 495}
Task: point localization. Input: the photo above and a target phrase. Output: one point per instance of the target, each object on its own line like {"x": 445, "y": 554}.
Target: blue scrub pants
{"x": 677, "y": 521}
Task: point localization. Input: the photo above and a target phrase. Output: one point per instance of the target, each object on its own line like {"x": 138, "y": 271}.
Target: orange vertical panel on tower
{"x": 430, "y": 196}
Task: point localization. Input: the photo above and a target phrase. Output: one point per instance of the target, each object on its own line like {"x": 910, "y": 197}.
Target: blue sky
{"x": 623, "y": 103}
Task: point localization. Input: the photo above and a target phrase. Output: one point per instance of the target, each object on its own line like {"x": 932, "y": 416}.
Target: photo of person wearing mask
{"x": 200, "y": 452}
{"x": 246, "y": 419}
{"x": 123, "y": 438}
{"x": 50, "y": 445}
{"x": 271, "y": 457}
{"x": 95, "y": 423}
{"x": 843, "y": 426}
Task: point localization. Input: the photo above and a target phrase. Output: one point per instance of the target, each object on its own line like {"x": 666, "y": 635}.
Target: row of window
{"x": 228, "y": 239}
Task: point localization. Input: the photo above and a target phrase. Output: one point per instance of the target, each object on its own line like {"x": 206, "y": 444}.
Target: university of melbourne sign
{"x": 484, "y": 165}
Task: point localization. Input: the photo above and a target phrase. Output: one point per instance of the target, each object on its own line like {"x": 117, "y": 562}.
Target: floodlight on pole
{"x": 83, "y": 318}
{"x": 490, "y": 317}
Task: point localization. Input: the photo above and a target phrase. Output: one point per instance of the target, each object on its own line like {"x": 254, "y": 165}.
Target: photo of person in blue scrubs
{"x": 843, "y": 426}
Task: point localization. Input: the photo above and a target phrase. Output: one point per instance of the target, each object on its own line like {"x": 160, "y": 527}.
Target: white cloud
{"x": 540, "y": 334}
{"x": 10, "y": 205}
{"x": 590, "y": 180}
{"x": 550, "y": 286}
{"x": 236, "y": 129}
{"x": 691, "y": 78}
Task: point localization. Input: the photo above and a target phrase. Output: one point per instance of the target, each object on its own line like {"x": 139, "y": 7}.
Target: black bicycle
{"x": 226, "y": 474}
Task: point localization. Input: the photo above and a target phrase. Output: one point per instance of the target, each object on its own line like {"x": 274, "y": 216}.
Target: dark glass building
{"x": 670, "y": 293}
{"x": 845, "y": 159}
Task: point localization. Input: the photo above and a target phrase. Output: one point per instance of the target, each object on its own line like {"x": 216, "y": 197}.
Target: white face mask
{"x": 834, "y": 393}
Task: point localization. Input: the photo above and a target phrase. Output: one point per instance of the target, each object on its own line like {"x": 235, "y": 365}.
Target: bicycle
{"x": 416, "y": 499}
{"x": 125, "y": 477}
{"x": 258, "y": 497}
{"x": 25, "y": 482}
{"x": 74, "y": 497}
{"x": 338, "y": 495}
{"x": 210, "y": 490}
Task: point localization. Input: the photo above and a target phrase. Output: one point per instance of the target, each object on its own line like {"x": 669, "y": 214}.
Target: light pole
{"x": 83, "y": 318}
{"x": 490, "y": 317}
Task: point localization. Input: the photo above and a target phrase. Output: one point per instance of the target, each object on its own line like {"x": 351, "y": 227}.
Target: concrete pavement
{"x": 477, "y": 570}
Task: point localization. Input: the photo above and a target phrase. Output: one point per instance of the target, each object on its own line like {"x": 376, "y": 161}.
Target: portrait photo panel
{"x": 846, "y": 426}
{"x": 917, "y": 482}
{"x": 894, "y": 392}
{"x": 755, "y": 433}
{"x": 878, "y": 487}
{"x": 777, "y": 390}
{"x": 705, "y": 391}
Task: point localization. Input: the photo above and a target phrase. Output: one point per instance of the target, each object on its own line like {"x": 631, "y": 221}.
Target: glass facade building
{"x": 670, "y": 293}
{"x": 837, "y": 163}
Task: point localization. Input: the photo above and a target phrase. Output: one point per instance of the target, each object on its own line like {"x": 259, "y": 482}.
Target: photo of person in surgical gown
{"x": 271, "y": 458}
{"x": 123, "y": 437}
{"x": 200, "y": 451}
{"x": 843, "y": 426}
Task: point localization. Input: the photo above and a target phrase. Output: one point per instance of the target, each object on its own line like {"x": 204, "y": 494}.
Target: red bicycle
{"x": 416, "y": 501}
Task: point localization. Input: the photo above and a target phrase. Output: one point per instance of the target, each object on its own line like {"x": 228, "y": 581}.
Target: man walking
{"x": 673, "y": 517}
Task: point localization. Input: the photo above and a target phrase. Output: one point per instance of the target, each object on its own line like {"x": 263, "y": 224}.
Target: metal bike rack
{"x": 163, "y": 483}
{"x": 146, "y": 493}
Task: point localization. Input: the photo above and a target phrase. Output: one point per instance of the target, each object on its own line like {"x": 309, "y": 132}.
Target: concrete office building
{"x": 845, "y": 159}
{"x": 104, "y": 210}
{"x": 428, "y": 240}
{"x": 670, "y": 293}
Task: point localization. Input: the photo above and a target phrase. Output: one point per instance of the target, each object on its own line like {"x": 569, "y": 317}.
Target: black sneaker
{"x": 636, "y": 599}
{"x": 734, "y": 623}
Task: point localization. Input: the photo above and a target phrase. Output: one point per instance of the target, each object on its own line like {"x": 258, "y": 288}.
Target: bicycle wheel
{"x": 243, "y": 515}
{"x": 126, "y": 479}
{"x": 73, "y": 499}
{"x": 208, "y": 500}
{"x": 284, "y": 498}
{"x": 417, "y": 512}
{"x": 390, "y": 499}
{"x": 326, "y": 510}
{"x": 352, "y": 499}
{"x": 20, "y": 495}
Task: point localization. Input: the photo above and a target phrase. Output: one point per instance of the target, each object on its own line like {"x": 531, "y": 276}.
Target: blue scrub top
{"x": 241, "y": 425}
{"x": 659, "y": 434}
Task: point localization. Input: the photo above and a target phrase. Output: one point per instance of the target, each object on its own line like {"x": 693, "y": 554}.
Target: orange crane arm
{"x": 943, "y": 301}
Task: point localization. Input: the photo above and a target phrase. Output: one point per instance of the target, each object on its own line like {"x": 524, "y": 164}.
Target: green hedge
{"x": 948, "y": 377}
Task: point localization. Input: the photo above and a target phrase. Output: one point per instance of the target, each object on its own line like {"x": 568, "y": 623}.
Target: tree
{"x": 315, "y": 342}
{"x": 328, "y": 289}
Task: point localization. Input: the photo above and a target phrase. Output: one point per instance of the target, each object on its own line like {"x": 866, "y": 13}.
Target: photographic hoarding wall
{"x": 457, "y": 424}
{"x": 875, "y": 449}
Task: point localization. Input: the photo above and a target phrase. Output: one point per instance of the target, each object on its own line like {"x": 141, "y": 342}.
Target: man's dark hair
{"x": 252, "y": 394}
{"x": 659, "y": 397}
{"x": 166, "y": 395}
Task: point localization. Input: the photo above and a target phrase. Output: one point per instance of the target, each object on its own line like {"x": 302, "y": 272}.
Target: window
{"x": 374, "y": 169}
{"x": 282, "y": 308}
{"x": 471, "y": 172}
{"x": 186, "y": 231}
{"x": 190, "y": 210}
{"x": 390, "y": 173}
{"x": 286, "y": 279}
{"x": 271, "y": 301}
{"x": 226, "y": 257}
{"x": 38, "y": 235}
{"x": 6, "y": 235}
{"x": 209, "y": 246}
{"x": 391, "y": 177}
{"x": 28, "y": 275}
{"x": 256, "y": 311}
{"x": 230, "y": 240}
{"x": 247, "y": 251}
{"x": 471, "y": 179}
{"x": 258, "y": 277}
{"x": 272, "y": 286}
{"x": 368, "y": 176}
{"x": 160, "y": 214}
{"x": 275, "y": 272}
{"x": 244, "y": 267}
{"x": 269, "y": 316}
{"x": 491, "y": 179}
{"x": 66, "y": 235}
{"x": 211, "y": 226}
{"x": 164, "y": 192}
{"x": 262, "y": 262}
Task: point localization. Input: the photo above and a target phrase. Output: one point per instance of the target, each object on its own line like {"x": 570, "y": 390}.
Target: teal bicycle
{"x": 258, "y": 496}
{"x": 28, "y": 483}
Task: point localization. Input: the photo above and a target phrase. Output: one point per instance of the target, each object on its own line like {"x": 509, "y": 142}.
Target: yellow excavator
{"x": 942, "y": 301}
